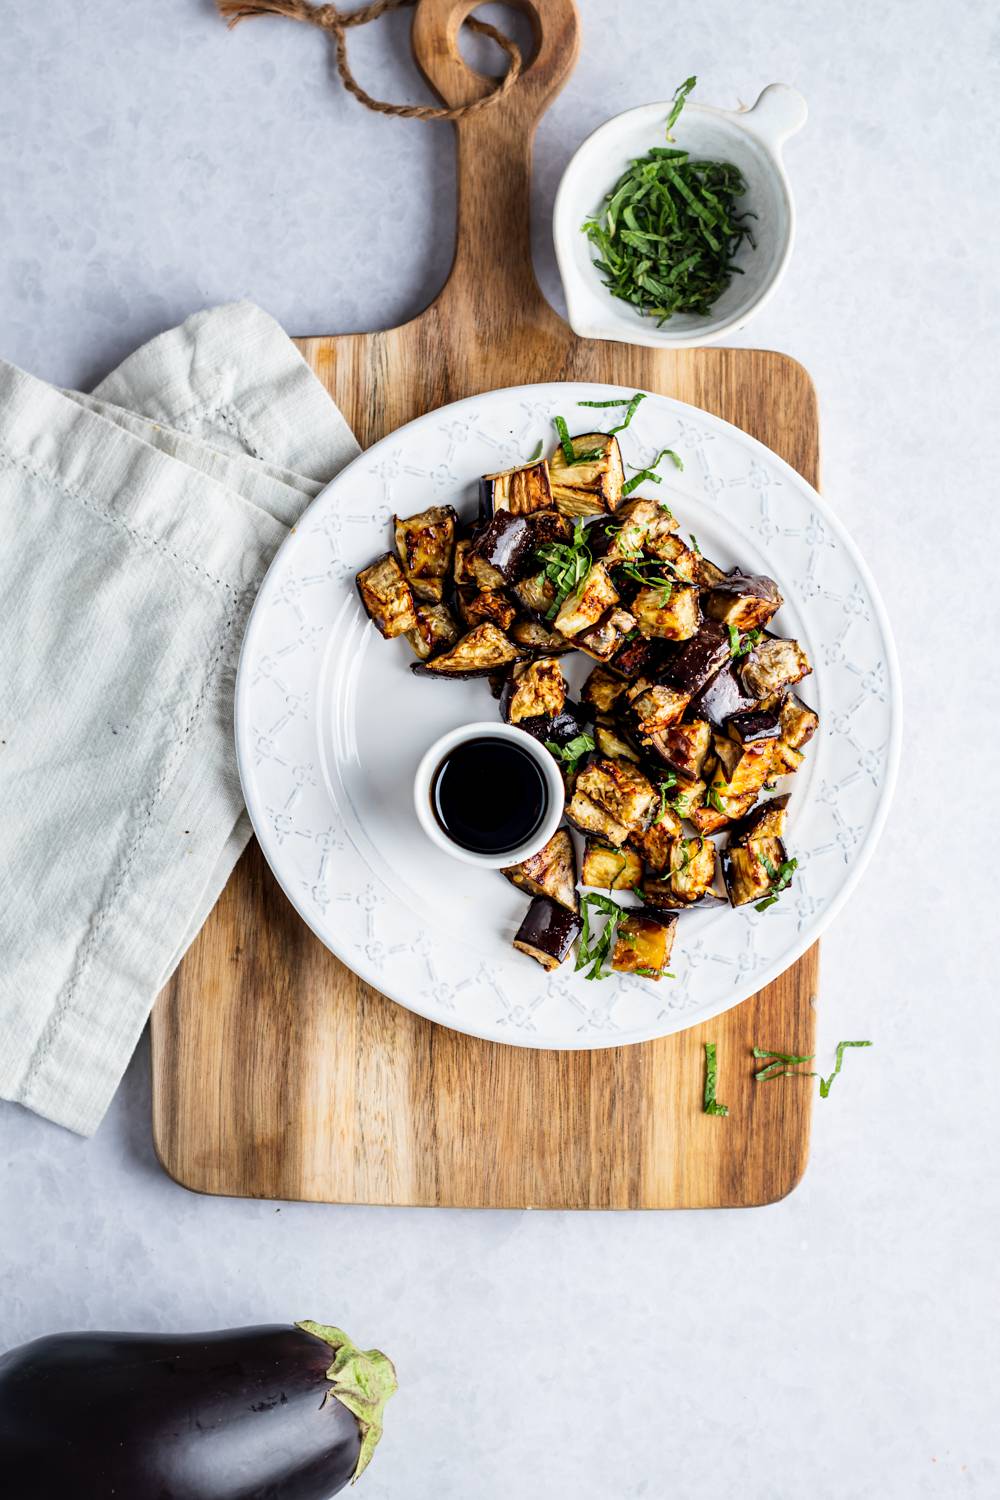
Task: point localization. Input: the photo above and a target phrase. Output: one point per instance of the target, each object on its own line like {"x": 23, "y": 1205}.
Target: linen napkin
{"x": 136, "y": 525}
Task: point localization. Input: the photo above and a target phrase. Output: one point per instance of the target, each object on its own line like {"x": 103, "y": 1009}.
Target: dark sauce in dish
{"x": 489, "y": 795}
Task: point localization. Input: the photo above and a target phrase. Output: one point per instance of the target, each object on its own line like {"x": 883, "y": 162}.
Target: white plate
{"x": 331, "y": 723}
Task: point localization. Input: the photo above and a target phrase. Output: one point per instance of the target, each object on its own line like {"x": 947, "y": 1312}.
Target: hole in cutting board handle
{"x": 552, "y": 25}
{"x": 482, "y": 56}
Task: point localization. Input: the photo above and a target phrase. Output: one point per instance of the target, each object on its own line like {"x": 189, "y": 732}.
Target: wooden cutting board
{"x": 279, "y": 1074}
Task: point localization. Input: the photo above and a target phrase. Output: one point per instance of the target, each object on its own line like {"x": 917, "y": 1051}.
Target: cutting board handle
{"x": 492, "y": 268}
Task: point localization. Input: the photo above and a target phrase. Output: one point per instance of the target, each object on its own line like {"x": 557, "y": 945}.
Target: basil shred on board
{"x": 667, "y": 235}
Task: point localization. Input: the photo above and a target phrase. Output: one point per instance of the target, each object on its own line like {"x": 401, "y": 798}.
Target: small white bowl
{"x": 488, "y": 728}
{"x": 752, "y": 140}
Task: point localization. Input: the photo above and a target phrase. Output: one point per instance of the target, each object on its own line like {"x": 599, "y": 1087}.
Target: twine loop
{"x": 337, "y": 23}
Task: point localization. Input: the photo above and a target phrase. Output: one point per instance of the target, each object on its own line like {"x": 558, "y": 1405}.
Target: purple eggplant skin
{"x": 698, "y": 660}
{"x": 560, "y": 728}
{"x": 721, "y": 698}
{"x": 506, "y": 543}
{"x": 235, "y": 1415}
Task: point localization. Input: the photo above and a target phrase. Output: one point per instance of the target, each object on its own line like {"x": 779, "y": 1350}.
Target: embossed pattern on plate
{"x": 330, "y": 724}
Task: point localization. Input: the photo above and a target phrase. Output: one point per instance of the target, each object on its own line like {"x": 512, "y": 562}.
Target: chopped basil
{"x": 565, "y": 564}
{"x": 649, "y": 472}
{"x": 680, "y": 99}
{"x": 596, "y": 952}
{"x": 572, "y": 752}
{"x": 780, "y": 1067}
{"x": 668, "y": 781}
{"x": 711, "y": 1104}
{"x": 780, "y": 878}
{"x": 537, "y": 453}
{"x": 630, "y": 413}
{"x": 826, "y": 1083}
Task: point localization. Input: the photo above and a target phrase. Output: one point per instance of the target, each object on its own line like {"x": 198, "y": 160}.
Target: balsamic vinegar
{"x": 489, "y": 795}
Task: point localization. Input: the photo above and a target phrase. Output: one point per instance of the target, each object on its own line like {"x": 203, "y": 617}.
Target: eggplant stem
{"x": 360, "y": 1379}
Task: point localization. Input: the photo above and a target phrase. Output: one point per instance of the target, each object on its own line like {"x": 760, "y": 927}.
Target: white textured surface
{"x": 843, "y": 1343}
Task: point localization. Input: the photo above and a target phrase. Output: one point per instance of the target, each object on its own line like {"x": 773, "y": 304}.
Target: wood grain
{"x": 279, "y": 1074}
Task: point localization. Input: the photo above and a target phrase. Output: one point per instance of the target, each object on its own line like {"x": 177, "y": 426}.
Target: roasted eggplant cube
{"x": 786, "y": 760}
{"x": 687, "y": 795}
{"x": 426, "y": 546}
{"x": 798, "y": 722}
{"x": 533, "y": 637}
{"x": 655, "y": 842}
{"x": 666, "y": 546}
{"x": 744, "y": 600}
{"x": 644, "y": 943}
{"x": 500, "y": 551}
{"x": 533, "y": 691}
{"x": 563, "y": 729}
{"x": 691, "y": 869}
{"x": 611, "y": 742}
{"x": 590, "y": 487}
{"x": 587, "y": 603}
{"x": 744, "y": 766}
{"x": 709, "y": 573}
{"x": 766, "y": 821}
{"x": 621, "y": 789}
{"x": 751, "y": 869}
{"x": 602, "y": 690}
{"x": 551, "y": 872}
{"x": 753, "y": 725}
{"x": 654, "y": 707}
{"x": 486, "y": 605}
{"x": 547, "y": 933}
{"x": 387, "y": 597}
{"x": 773, "y": 665}
{"x": 610, "y": 869}
{"x": 671, "y": 614}
{"x": 683, "y": 747}
{"x": 604, "y": 639}
{"x": 722, "y": 697}
{"x": 460, "y": 565}
{"x": 536, "y": 594}
{"x": 484, "y": 650}
{"x": 591, "y": 817}
{"x": 691, "y": 667}
{"x": 521, "y": 491}
{"x": 620, "y": 538}
{"x": 549, "y": 526}
{"x": 435, "y": 631}
{"x": 638, "y": 657}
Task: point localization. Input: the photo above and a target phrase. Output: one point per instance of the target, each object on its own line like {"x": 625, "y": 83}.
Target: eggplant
{"x": 798, "y": 725}
{"x": 666, "y": 546}
{"x": 755, "y": 724}
{"x": 744, "y": 600}
{"x": 484, "y": 650}
{"x": 774, "y": 665}
{"x": 426, "y": 546}
{"x": 654, "y": 707}
{"x": 672, "y": 614}
{"x": 460, "y": 565}
{"x": 288, "y": 1412}
{"x": 683, "y": 747}
{"x": 709, "y": 573}
{"x": 602, "y": 690}
{"x": 656, "y": 842}
{"x": 689, "y": 873}
{"x": 551, "y": 872}
{"x": 687, "y": 795}
{"x": 534, "y": 691}
{"x": 604, "y": 639}
{"x": 644, "y": 943}
{"x": 500, "y": 551}
{"x": 620, "y": 790}
{"x": 620, "y": 538}
{"x": 744, "y": 767}
{"x": 520, "y": 490}
{"x": 593, "y": 818}
{"x": 766, "y": 821}
{"x": 387, "y": 597}
{"x": 549, "y": 526}
{"x": 547, "y": 933}
{"x": 722, "y": 805}
{"x": 562, "y": 728}
{"x": 487, "y": 604}
{"x": 537, "y": 595}
{"x": 608, "y": 868}
{"x": 587, "y": 603}
{"x": 610, "y": 740}
{"x": 697, "y": 662}
{"x": 535, "y": 639}
{"x": 721, "y": 697}
{"x": 590, "y": 487}
{"x": 750, "y": 869}
{"x": 435, "y": 631}
{"x": 640, "y": 657}
{"x": 660, "y": 894}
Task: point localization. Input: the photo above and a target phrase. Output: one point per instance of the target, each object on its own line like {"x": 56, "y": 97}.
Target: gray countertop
{"x": 843, "y": 1342}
